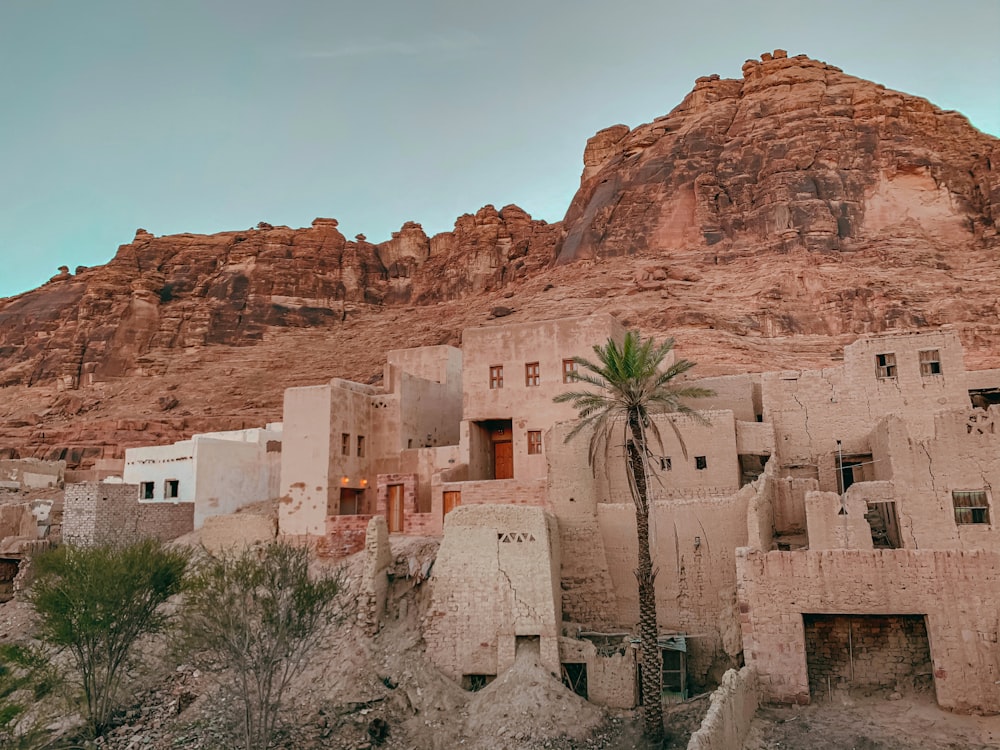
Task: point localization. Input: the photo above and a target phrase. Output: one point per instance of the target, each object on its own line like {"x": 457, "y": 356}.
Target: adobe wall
{"x": 496, "y": 578}
{"x": 838, "y": 522}
{"x": 956, "y": 591}
{"x": 97, "y": 513}
{"x": 714, "y": 439}
{"x": 962, "y": 454}
{"x": 31, "y": 473}
{"x": 236, "y": 531}
{"x": 730, "y": 712}
{"x": 231, "y": 474}
{"x": 694, "y": 536}
{"x": 739, "y": 394}
{"x": 611, "y": 669}
{"x": 812, "y": 409}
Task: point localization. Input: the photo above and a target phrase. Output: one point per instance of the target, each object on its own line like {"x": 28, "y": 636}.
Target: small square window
{"x": 496, "y": 376}
{"x": 665, "y": 463}
{"x": 700, "y": 462}
{"x": 885, "y": 365}
{"x": 146, "y": 490}
{"x": 531, "y": 374}
{"x": 345, "y": 443}
{"x": 569, "y": 370}
{"x": 172, "y": 489}
{"x": 361, "y": 446}
{"x": 534, "y": 442}
{"x": 930, "y": 362}
{"x": 971, "y": 506}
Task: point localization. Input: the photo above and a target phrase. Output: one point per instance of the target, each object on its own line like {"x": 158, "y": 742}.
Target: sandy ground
{"x": 876, "y": 722}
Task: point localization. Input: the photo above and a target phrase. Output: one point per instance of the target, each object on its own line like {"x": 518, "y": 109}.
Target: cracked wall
{"x": 496, "y": 578}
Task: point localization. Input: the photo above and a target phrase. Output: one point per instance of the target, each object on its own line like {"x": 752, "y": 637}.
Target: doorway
{"x": 503, "y": 459}
{"x": 452, "y": 499}
{"x": 395, "y": 509}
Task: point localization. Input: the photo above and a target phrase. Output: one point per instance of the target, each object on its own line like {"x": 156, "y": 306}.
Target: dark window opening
{"x": 476, "y": 682}
{"x": 574, "y": 676}
{"x": 885, "y": 365}
{"x": 665, "y": 463}
{"x": 172, "y": 488}
{"x": 884, "y": 524}
{"x": 701, "y": 462}
{"x": 345, "y": 443}
{"x": 146, "y": 490}
{"x": 930, "y": 362}
{"x": 673, "y": 673}
{"x": 361, "y": 446}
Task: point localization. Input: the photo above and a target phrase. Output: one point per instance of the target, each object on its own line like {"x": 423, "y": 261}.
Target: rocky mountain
{"x": 764, "y": 222}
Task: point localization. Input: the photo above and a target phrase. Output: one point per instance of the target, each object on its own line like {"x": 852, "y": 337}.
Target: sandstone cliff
{"x": 764, "y": 222}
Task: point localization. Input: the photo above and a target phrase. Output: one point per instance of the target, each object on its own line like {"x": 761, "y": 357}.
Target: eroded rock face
{"x": 764, "y": 222}
{"x": 796, "y": 155}
{"x": 229, "y": 288}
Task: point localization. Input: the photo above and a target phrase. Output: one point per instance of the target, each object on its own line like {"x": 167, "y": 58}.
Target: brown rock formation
{"x": 765, "y": 222}
{"x": 796, "y": 155}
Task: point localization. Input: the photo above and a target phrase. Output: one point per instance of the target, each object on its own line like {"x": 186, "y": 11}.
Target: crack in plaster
{"x": 518, "y": 602}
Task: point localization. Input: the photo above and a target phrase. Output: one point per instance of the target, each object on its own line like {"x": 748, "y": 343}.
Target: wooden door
{"x": 503, "y": 460}
{"x": 395, "y": 519}
{"x": 451, "y": 501}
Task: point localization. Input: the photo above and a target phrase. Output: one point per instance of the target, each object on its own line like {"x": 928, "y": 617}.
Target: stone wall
{"x": 97, "y": 513}
{"x": 954, "y": 590}
{"x": 344, "y": 536}
{"x": 730, "y": 712}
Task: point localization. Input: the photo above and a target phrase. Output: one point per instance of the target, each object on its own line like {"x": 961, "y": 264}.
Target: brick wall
{"x": 345, "y": 535}
{"x": 955, "y": 590}
{"x": 96, "y": 513}
{"x": 865, "y": 651}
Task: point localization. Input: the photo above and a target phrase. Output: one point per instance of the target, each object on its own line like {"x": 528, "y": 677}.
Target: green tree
{"x": 95, "y": 603}
{"x": 629, "y": 388}
{"x": 259, "y": 615}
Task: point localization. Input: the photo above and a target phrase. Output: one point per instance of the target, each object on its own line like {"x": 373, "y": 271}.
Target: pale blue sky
{"x": 211, "y": 115}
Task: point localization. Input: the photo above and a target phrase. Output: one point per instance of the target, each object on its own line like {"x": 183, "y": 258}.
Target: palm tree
{"x": 629, "y": 389}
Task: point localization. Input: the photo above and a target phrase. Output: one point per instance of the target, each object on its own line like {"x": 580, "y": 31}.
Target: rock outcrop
{"x": 765, "y": 220}
{"x": 796, "y": 155}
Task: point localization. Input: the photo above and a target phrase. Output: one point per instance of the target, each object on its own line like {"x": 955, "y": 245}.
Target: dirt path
{"x": 871, "y": 723}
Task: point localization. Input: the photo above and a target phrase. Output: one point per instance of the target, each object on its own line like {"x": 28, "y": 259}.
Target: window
{"x": 700, "y": 462}
{"x": 569, "y": 368}
{"x": 361, "y": 446}
{"x": 531, "y": 374}
{"x": 665, "y": 463}
{"x": 885, "y": 365}
{"x": 930, "y": 362}
{"x": 496, "y": 376}
{"x": 172, "y": 489}
{"x": 971, "y": 506}
{"x": 146, "y": 490}
{"x": 534, "y": 442}
{"x": 345, "y": 443}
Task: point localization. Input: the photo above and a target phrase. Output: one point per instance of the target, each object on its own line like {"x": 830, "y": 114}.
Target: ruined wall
{"x": 811, "y": 410}
{"x": 732, "y": 708}
{"x": 236, "y": 531}
{"x": 611, "y": 668}
{"x": 97, "y": 513}
{"x": 427, "y": 384}
{"x": 495, "y": 580}
{"x": 838, "y": 522}
{"x": 733, "y": 393}
{"x": 963, "y": 454}
{"x": 30, "y": 473}
{"x": 955, "y": 590}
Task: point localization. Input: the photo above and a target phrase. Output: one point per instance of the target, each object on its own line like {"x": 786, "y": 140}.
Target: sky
{"x": 212, "y": 115}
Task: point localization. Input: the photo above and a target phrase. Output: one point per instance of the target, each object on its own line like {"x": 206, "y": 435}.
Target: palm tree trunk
{"x": 650, "y": 654}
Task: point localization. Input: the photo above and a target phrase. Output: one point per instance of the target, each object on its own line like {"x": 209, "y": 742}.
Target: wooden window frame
{"x": 568, "y": 369}
{"x": 361, "y": 446}
{"x": 885, "y": 366}
{"x": 971, "y": 507}
{"x": 930, "y": 362}
{"x": 496, "y": 377}
{"x": 534, "y": 442}
{"x": 345, "y": 443}
{"x": 531, "y": 374}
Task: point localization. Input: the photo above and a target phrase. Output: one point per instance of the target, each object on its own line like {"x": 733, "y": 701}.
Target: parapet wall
{"x": 733, "y": 706}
